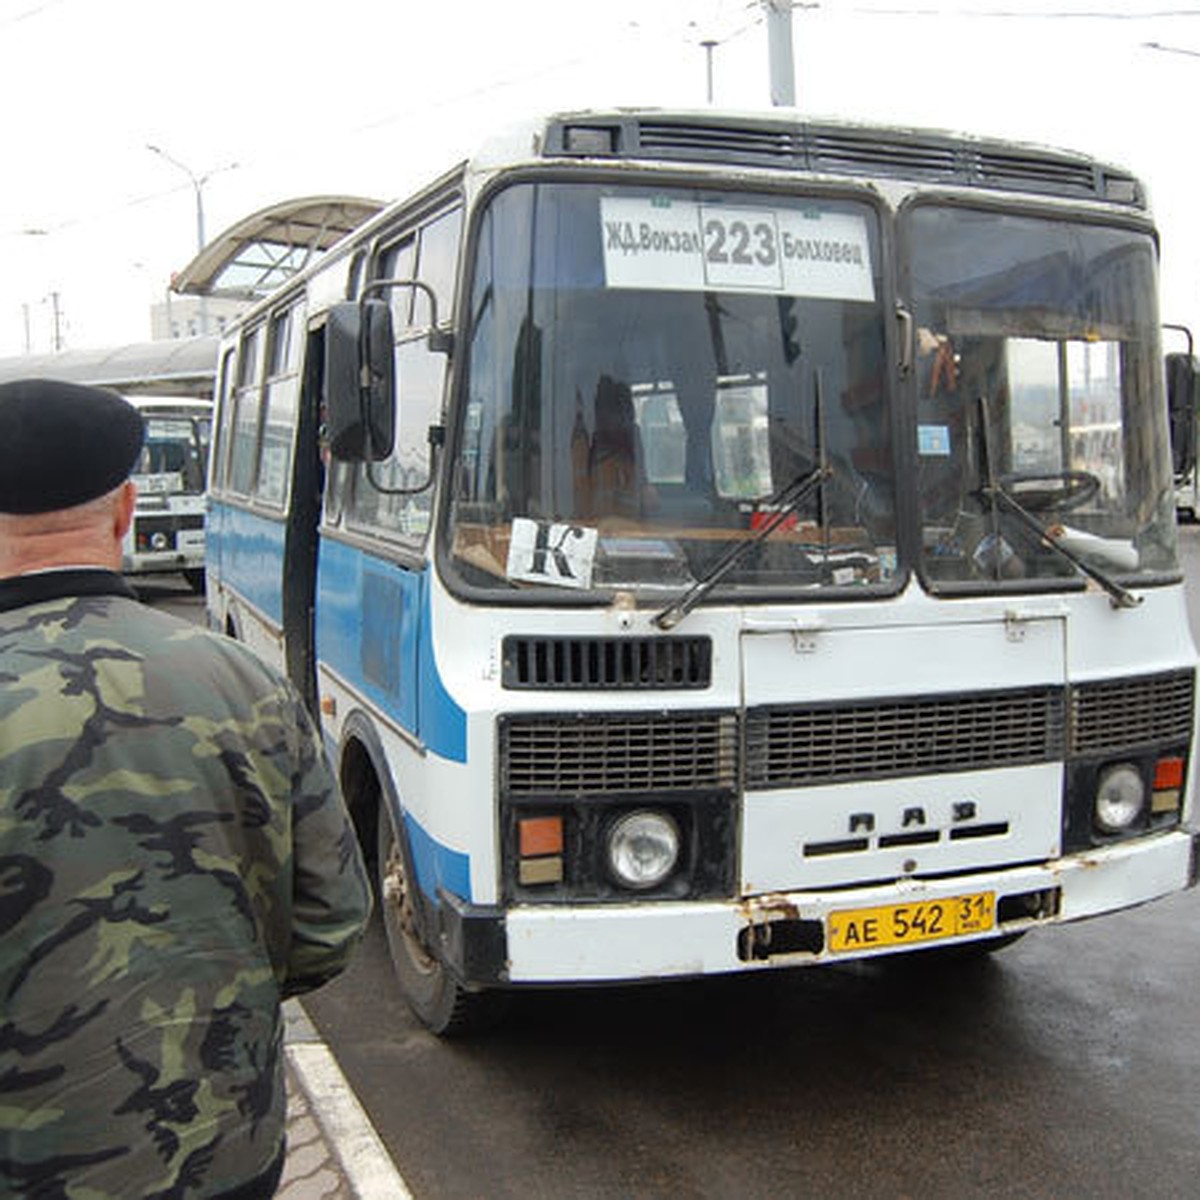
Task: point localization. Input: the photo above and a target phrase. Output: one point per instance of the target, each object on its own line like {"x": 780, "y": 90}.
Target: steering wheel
{"x": 1044, "y": 491}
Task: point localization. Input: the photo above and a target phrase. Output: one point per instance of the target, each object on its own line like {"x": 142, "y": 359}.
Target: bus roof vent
{"x": 1044, "y": 173}
{"x": 773, "y": 142}
{"x": 606, "y": 664}
{"x": 717, "y": 142}
{"x": 857, "y": 152}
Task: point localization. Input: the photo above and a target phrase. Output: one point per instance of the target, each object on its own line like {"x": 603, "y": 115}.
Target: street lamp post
{"x": 709, "y": 46}
{"x": 198, "y": 182}
{"x": 779, "y": 51}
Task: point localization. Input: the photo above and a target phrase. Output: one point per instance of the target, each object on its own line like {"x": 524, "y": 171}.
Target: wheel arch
{"x": 366, "y": 780}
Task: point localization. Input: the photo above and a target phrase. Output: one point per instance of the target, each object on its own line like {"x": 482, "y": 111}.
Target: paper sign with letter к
{"x": 549, "y": 553}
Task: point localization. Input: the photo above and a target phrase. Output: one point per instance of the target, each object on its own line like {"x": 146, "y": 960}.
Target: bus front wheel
{"x": 444, "y": 1006}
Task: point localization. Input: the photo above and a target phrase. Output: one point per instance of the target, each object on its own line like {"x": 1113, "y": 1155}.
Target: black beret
{"x": 63, "y": 444}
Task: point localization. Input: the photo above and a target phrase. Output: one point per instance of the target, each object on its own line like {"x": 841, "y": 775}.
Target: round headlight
{"x": 1120, "y": 795}
{"x": 643, "y": 848}
{"x": 158, "y": 541}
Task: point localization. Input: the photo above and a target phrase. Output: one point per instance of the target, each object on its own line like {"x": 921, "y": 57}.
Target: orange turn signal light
{"x": 1168, "y": 773}
{"x": 540, "y": 835}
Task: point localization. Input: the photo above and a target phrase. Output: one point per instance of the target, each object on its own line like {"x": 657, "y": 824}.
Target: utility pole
{"x": 57, "y": 311}
{"x": 709, "y": 47}
{"x": 779, "y": 49}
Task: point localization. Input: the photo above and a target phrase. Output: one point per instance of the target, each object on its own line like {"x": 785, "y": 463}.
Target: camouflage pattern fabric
{"x": 174, "y": 857}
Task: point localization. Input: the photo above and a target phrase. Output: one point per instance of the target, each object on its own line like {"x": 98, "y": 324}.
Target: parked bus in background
{"x": 1183, "y": 407}
{"x": 167, "y": 535}
{"x": 721, "y": 542}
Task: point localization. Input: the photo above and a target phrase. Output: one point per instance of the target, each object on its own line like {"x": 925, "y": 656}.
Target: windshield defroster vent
{"x": 847, "y": 149}
{"x": 607, "y": 664}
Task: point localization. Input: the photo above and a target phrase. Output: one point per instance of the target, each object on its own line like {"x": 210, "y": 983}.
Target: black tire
{"x": 195, "y": 579}
{"x": 443, "y": 1005}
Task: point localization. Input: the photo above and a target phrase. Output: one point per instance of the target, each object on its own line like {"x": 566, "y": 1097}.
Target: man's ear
{"x": 123, "y": 512}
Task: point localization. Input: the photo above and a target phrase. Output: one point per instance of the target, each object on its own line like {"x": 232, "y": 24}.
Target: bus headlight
{"x": 643, "y": 848}
{"x": 1120, "y": 796}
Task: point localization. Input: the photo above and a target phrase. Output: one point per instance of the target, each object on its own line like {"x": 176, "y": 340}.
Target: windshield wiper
{"x": 784, "y": 503}
{"x": 1121, "y": 597}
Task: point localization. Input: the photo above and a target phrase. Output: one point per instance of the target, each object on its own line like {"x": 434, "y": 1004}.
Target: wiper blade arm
{"x": 1121, "y": 597}
{"x": 785, "y": 502}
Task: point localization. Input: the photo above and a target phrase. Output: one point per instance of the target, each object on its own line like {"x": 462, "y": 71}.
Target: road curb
{"x": 365, "y": 1163}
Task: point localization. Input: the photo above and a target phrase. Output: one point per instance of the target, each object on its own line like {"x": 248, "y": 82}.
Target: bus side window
{"x": 421, "y": 374}
{"x": 224, "y": 429}
{"x": 279, "y": 405}
{"x": 360, "y": 501}
{"x": 438, "y": 267}
{"x": 432, "y": 257}
{"x": 243, "y": 451}
{"x": 398, "y": 261}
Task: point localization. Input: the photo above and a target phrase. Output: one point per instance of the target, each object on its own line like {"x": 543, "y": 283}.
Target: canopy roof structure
{"x": 176, "y": 367}
{"x": 258, "y": 253}
{"x": 250, "y": 259}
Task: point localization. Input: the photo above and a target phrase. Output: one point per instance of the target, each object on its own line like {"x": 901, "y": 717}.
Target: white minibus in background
{"x": 167, "y": 535}
{"x": 724, "y": 542}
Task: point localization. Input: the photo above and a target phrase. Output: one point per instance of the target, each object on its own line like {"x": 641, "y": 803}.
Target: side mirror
{"x": 1183, "y": 405}
{"x": 360, "y": 381}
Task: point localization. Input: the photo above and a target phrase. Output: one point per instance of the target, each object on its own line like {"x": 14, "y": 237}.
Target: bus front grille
{"x": 604, "y": 754}
{"x": 1120, "y": 714}
{"x": 788, "y": 746}
{"x": 781, "y": 746}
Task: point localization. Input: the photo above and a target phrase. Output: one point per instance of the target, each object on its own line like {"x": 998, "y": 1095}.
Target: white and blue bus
{"x": 167, "y": 533}
{"x": 724, "y": 542}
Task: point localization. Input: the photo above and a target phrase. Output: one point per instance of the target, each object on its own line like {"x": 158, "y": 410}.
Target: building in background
{"x": 192, "y": 316}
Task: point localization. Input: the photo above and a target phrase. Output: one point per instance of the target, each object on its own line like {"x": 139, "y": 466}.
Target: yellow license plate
{"x": 912, "y": 923}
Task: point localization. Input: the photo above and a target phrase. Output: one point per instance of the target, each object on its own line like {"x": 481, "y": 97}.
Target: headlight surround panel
{"x": 1083, "y": 777}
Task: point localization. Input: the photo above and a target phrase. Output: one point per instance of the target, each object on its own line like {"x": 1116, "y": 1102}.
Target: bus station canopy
{"x": 174, "y": 367}
{"x": 258, "y": 253}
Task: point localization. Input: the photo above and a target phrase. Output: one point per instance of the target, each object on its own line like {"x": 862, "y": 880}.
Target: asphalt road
{"x": 1066, "y": 1066}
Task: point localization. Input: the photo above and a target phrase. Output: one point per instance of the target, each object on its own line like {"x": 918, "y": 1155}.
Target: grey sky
{"x": 371, "y": 97}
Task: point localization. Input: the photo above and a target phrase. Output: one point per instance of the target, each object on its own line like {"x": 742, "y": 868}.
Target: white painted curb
{"x": 364, "y": 1159}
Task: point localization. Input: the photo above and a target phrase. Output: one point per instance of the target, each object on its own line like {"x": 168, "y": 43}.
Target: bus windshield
{"x": 174, "y": 459}
{"x": 650, "y": 368}
{"x": 1039, "y": 395}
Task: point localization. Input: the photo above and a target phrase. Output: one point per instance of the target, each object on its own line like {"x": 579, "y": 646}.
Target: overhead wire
{"x": 689, "y": 31}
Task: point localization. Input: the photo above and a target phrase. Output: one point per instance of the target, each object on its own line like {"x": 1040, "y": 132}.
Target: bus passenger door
{"x": 301, "y": 539}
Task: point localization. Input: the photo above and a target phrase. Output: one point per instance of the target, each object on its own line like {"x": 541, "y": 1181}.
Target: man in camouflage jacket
{"x": 175, "y": 855}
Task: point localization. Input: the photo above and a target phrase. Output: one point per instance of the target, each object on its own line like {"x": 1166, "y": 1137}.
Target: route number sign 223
{"x": 682, "y": 245}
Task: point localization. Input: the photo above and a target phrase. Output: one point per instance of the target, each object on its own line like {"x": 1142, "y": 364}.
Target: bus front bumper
{"x": 561, "y": 944}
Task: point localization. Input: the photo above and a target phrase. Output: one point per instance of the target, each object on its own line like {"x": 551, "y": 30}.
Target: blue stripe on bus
{"x": 248, "y": 550}
{"x": 372, "y": 630}
{"x": 436, "y": 865}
